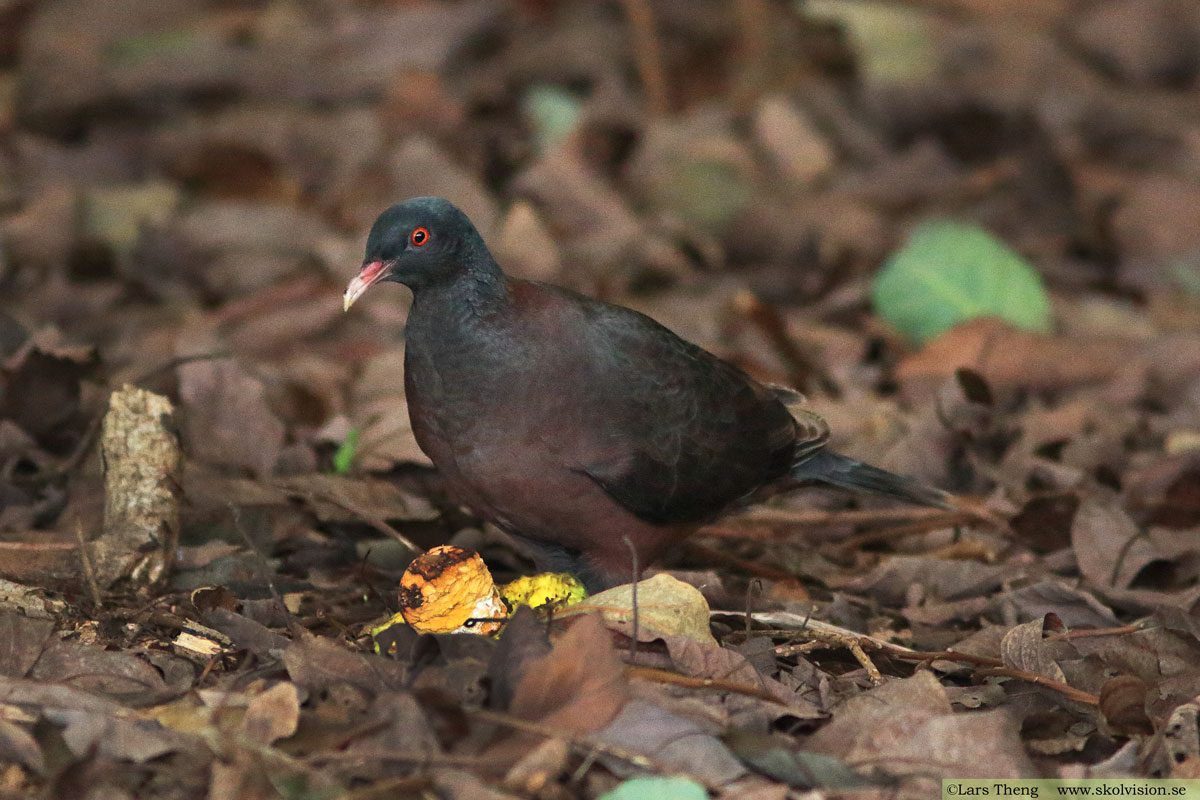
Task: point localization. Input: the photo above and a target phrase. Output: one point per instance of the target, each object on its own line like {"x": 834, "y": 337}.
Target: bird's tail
{"x": 826, "y": 466}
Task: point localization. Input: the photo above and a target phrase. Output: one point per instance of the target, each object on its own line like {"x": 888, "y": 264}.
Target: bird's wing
{"x": 682, "y": 434}
{"x": 812, "y": 431}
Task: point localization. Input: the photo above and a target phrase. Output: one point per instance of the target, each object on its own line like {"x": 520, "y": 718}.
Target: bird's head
{"x": 420, "y": 242}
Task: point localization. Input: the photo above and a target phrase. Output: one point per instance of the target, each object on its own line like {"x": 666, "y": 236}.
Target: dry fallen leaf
{"x": 665, "y": 605}
{"x": 226, "y": 418}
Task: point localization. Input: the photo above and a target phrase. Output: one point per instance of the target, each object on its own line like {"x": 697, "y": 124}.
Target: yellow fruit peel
{"x": 450, "y": 590}
{"x": 548, "y": 591}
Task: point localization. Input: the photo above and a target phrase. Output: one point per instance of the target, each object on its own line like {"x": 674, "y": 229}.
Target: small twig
{"x": 818, "y": 519}
{"x": 648, "y": 55}
{"x": 208, "y": 668}
{"x": 1070, "y": 692}
{"x": 89, "y": 572}
{"x": 802, "y": 370}
{"x": 851, "y": 642}
{"x": 358, "y": 511}
{"x": 1122, "y": 552}
{"x": 265, "y": 566}
{"x": 584, "y": 765}
{"x": 754, "y": 583}
{"x": 749, "y": 567}
{"x": 81, "y": 449}
{"x": 1087, "y": 633}
{"x": 414, "y": 757}
{"x": 889, "y": 533}
{"x": 844, "y": 637}
{"x": 675, "y": 679}
{"x": 637, "y": 576}
{"x": 754, "y": 22}
{"x": 179, "y": 361}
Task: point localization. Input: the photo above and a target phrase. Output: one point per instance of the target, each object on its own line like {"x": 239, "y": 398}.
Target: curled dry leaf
{"x": 1123, "y": 705}
{"x": 1109, "y": 546}
{"x": 676, "y": 743}
{"x": 665, "y": 605}
{"x": 274, "y": 714}
{"x": 1023, "y": 648}
{"x": 227, "y": 420}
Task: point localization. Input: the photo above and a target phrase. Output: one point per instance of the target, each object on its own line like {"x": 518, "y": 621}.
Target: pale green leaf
{"x": 660, "y": 788}
{"x": 950, "y": 272}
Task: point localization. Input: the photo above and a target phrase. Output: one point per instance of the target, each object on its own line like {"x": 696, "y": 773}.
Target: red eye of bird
{"x": 419, "y": 237}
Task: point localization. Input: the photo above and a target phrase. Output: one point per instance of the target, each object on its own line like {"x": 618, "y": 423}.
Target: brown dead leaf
{"x": 1075, "y": 607}
{"x": 18, "y": 745}
{"x": 117, "y": 737}
{"x": 1008, "y": 359}
{"x": 315, "y": 663}
{"x": 245, "y": 633}
{"x": 379, "y": 410}
{"x": 226, "y": 417}
{"x": 579, "y": 686}
{"x": 538, "y": 767}
{"x": 678, "y": 744}
{"x": 1044, "y": 524}
{"x": 697, "y": 660}
{"x": 1123, "y": 705}
{"x": 576, "y": 688}
{"x": 274, "y": 714}
{"x": 119, "y": 674}
{"x": 1023, "y": 648}
{"x": 40, "y": 383}
{"x": 22, "y": 640}
{"x": 893, "y": 580}
{"x": 665, "y": 605}
{"x": 397, "y": 719}
{"x": 907, "y": 728}
{"x": 1108, "y": 544}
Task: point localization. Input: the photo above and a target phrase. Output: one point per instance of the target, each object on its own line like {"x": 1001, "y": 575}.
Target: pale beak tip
{"x": 347, "y": 301}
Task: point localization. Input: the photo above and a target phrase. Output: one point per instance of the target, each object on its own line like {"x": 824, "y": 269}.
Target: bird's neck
{"x": 478, "y": 293}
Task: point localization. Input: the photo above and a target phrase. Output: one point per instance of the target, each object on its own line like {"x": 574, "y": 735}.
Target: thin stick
{"x": 987, "y": 666}
{"x": 88, "y": 572}
{"x": 268, "y": 574}
{"x": 675, "y": 679}
{"x": 819, "y": 519}
{"x": 1070, "y": 692}
{"x": 346, "y": 505}
{"x": 648, "y": 55}
{"x": 637, "y": 576}
{"x": 802, "y": 370}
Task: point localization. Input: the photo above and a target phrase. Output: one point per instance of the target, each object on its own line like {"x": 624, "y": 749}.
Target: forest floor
{"x": 186, "y": 188}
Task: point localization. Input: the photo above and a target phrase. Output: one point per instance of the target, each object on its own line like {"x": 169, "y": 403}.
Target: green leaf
{"x": 660, "y": 788}
{"x": 892, "y": 41}
{"x": 554, "y": 113}
{"x": 949, "y": 272}
{"x": 344, "y": 456}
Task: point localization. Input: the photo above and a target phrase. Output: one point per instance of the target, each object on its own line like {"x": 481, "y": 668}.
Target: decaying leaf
{"x": 665, "y": 605}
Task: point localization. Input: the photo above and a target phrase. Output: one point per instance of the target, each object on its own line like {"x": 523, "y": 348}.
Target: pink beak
{"x": 369, "y": 275}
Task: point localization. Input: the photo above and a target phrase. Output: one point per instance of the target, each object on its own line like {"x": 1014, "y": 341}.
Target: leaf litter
{"x": 186, "y": 188}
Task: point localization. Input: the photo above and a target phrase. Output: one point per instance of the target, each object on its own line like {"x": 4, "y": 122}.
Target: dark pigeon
{"x": 571, "y": 423}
